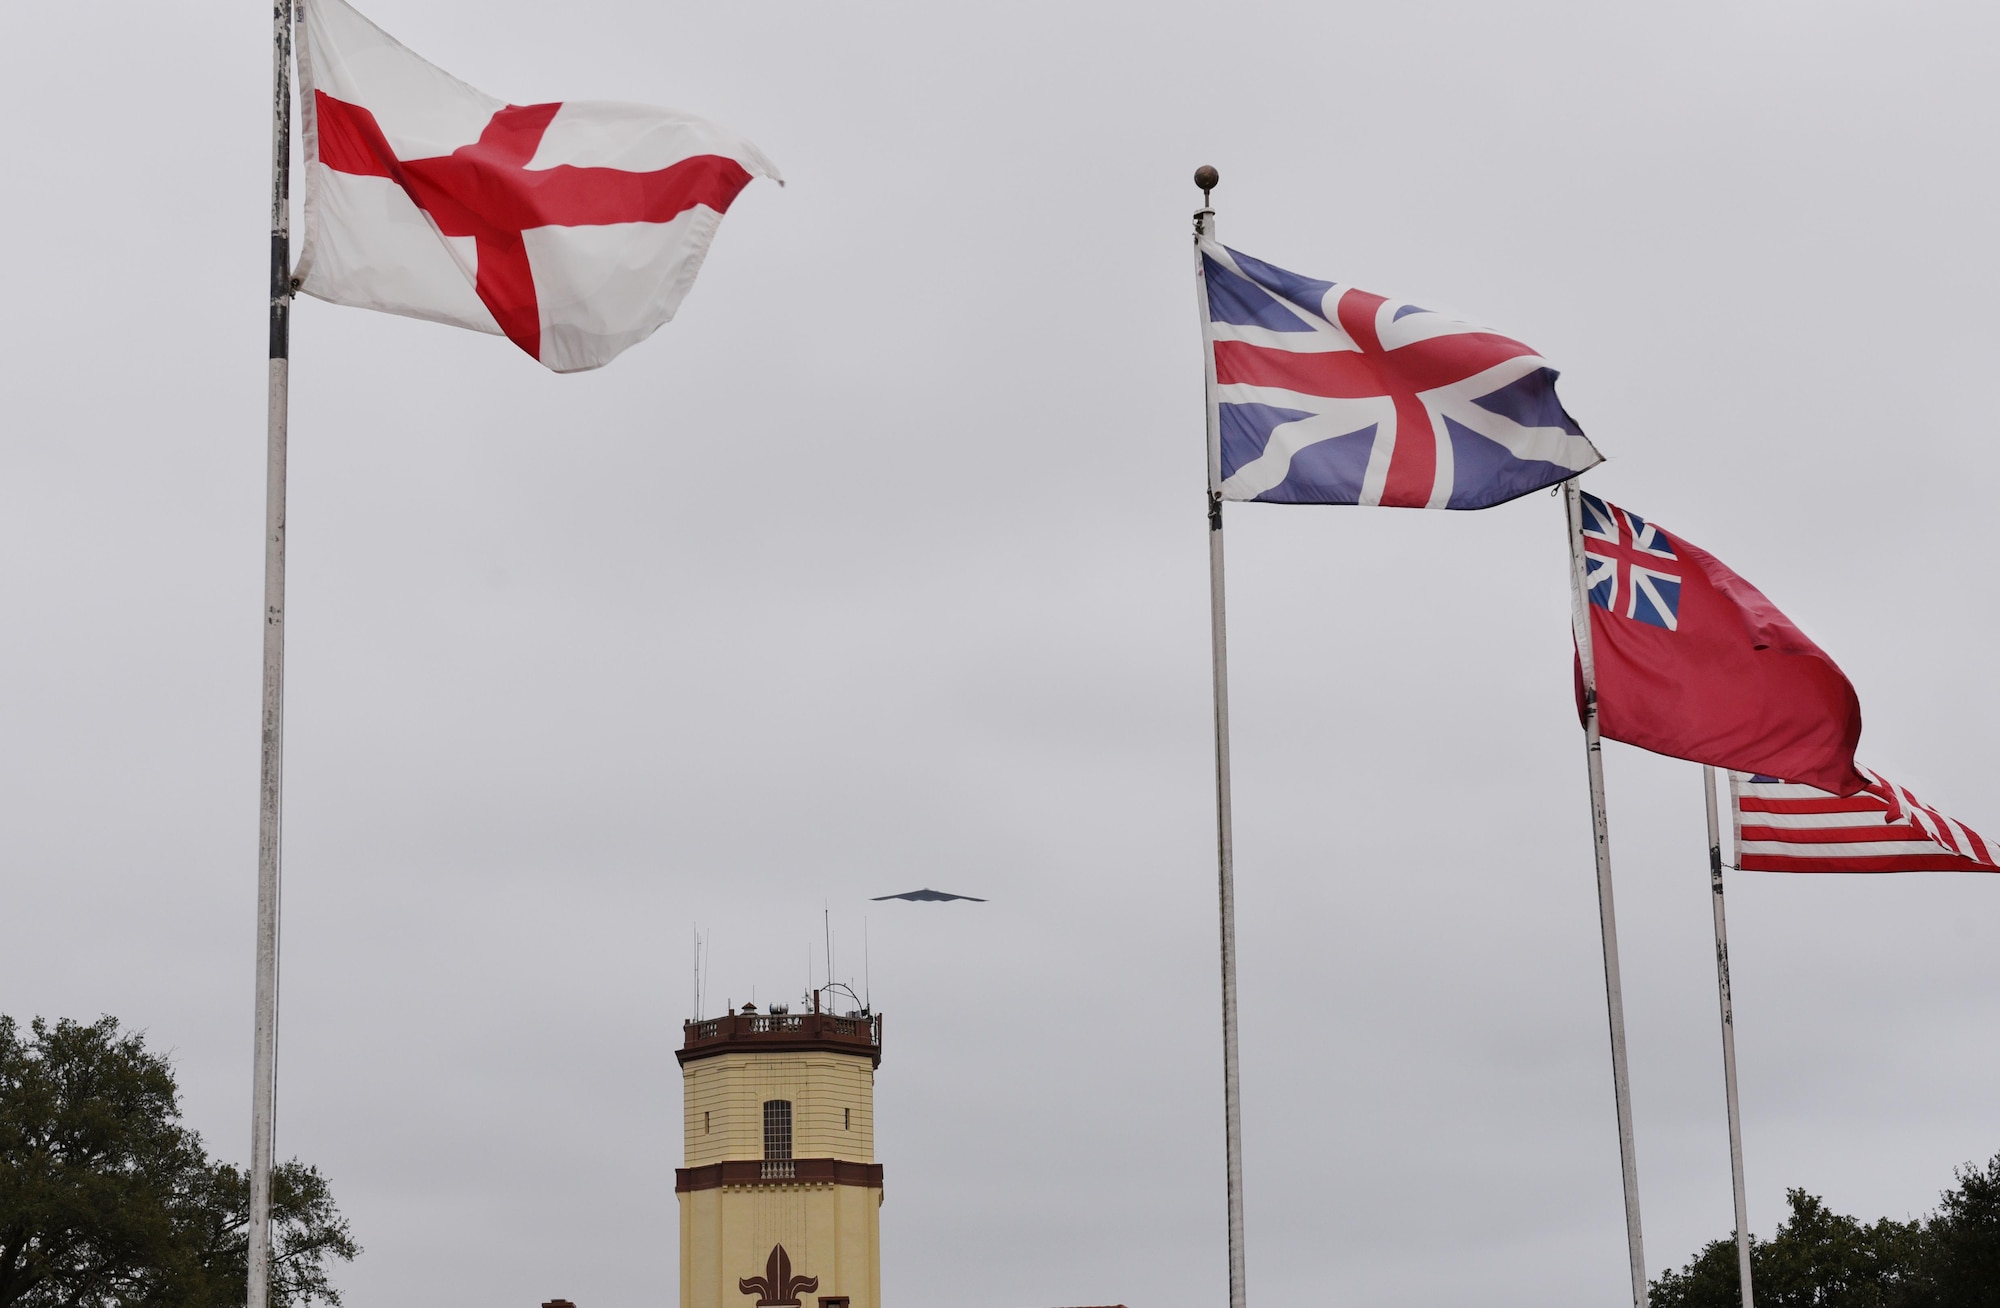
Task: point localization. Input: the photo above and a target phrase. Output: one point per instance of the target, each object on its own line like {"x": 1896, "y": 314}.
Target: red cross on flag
{"x": 574, "y": 229}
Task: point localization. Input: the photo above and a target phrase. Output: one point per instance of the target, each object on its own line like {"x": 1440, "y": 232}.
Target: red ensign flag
{"x": 1694, "y": 662}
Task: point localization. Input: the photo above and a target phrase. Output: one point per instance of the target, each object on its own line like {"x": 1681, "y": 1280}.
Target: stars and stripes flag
{"x": 1327, "y": 394}
{"x": 1782, "y": 826}
{"x": 573, "y": 228}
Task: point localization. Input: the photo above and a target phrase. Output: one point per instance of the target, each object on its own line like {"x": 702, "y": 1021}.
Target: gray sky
{"x": 883, "y": 567}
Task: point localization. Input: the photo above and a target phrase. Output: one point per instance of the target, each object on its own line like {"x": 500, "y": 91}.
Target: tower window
{"x": 704, "y": 1123}
{"x": 847, "y": 1119}
{"x": 777, "y": 1128}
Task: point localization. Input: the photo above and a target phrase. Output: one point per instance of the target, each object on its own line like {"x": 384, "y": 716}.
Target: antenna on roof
{"x": 867, "y": 986}
{"x": 826, "y": 918}
{"x": 697, "y": 974}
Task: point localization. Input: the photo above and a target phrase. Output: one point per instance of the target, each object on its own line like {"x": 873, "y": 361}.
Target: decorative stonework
{"x": 777, "y": 1287}
{"x": 794, "y": 1172}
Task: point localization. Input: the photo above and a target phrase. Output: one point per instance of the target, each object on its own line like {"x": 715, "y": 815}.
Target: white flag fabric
{"x": 574, "y": 229}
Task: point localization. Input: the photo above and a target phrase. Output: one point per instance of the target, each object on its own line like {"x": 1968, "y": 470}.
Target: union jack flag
{"x": 1327, "y": 394}
{"x": 1626, "y": 555}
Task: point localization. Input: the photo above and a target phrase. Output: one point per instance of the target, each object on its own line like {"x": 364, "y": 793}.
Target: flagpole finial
{"x": 1207, "y": 179}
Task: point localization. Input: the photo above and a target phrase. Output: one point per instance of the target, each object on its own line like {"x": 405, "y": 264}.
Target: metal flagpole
{"x": 1204, "y": 226}
{"x": 1728, "y": 1037}
{"x": 1614, "y": 994}
{"x": 264, "y": 1060}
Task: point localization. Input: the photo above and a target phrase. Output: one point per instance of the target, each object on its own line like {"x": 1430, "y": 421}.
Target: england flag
{"x": 573, "y": 228}
{"x": 1327, "y": 394}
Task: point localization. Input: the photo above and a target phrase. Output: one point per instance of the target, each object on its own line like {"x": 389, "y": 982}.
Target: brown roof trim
{"x": 781, "y": 1033}
{"x": 802, "y": 1171}
{"x": 779, "y": 1045}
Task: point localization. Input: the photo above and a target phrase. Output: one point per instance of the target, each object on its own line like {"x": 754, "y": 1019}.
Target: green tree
{"x": 1820, "y": 1259}
{"x": 1817, "y": 1258}
{"x": 107, "y": 1201}
{"x": 1962, "y": 1260}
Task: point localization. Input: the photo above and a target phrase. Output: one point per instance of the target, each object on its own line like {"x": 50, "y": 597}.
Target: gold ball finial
{"x": 1206, "y": 178}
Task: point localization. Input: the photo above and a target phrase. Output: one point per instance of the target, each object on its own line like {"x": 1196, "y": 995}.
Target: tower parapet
{"x": 860, "y": 1033}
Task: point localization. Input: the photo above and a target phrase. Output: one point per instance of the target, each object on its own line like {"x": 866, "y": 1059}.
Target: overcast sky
{"x": 883, "y": 566}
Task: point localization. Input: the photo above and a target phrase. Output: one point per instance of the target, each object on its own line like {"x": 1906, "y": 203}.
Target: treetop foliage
{"x": 1818, "y": 1258}
{"x": 107, "y": 1201}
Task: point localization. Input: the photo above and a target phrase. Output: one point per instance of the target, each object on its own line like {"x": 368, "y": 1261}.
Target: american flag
{"x": 1785, "y": 827}
{"x": 1328, "y": 394}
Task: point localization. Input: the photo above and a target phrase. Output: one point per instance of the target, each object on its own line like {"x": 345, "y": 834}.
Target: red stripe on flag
{"x": 1412, "y": 473}
{"x": 350, "y": 140}
{"x": 1831, "y": 804}
{"x": 1938, "y": 862}
{"x": 1832, "y": 835}
{"x": 1336, "y": 374}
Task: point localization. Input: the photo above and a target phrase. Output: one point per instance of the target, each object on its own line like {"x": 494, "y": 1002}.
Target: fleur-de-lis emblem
{"x": 777, "y": 1287}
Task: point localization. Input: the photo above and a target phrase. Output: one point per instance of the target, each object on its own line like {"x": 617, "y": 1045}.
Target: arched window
{"x": 777, "y": 1129}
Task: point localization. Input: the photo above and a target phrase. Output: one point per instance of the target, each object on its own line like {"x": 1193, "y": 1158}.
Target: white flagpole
{"x": 1204, "y": 226}
{"x": 1728, "y": 1037}
{"x": 1614, "y": 993}
{"x": 264, "y": 1060}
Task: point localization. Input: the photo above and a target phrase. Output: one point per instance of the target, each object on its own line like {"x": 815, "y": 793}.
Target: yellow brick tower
{"x": 781, "y": 1196}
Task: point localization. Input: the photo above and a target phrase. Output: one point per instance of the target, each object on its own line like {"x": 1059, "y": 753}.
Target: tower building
{"x": 780, "y": 1197}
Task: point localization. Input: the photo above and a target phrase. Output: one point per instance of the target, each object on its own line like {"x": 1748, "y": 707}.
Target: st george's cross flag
{"x": 572, "y": 228}
{"x": 1693, "y": 661}
{"x": 1782, "y": 826}
{"x": 1327, "y": 394}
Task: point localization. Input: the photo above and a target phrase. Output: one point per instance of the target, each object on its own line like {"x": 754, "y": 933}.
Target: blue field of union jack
{"x": 1327, "y": 394}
